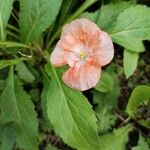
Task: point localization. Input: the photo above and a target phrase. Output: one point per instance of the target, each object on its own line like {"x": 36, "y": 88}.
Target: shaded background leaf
{"x": 24, "y": 73}
{"x": 130, "y": 61}
{"x": 5, "y": 12}
{"x": 142, "y": 145}
{"x": 16, "y": 107}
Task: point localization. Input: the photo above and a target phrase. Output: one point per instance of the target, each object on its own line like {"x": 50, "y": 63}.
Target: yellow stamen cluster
{"x": 82, "y": 54}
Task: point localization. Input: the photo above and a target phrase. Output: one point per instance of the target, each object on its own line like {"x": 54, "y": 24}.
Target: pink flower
{"x": 85, "y": 48}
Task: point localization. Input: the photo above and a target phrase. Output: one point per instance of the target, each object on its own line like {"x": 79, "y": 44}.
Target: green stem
{"x": 14, "y": 44}
{"x": 12, "y": 28}
{"x": 13, "y": 15}
{"x": 2, "y": 36}
{"x": 85, "y": 5}
{"x": 12, "y": 34}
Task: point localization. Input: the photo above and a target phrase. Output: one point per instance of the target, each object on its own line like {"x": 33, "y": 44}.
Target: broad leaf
{"x": 105, "y": 83}
{"x": 116, "y": 140}
{"x": 130, "y": 61}
{"x": 139, "y": 96}
{"x": 5, "y": 11}
{"x": 36, "y": 16}
{"x": 16, "y": 107}
{"x": 70, "y": 114}
{"x": 24, "y": 73}
{"x": 131, "y": 28}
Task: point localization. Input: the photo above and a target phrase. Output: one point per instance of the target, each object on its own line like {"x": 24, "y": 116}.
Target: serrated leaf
{"x": 70, "y": 114}
{"x": 24, "y": 73}
{"x": 16, "y": 107}
{"x": 116, "y": 140}
{"x": 130, "y": 61}
{"x": 6, "y": 63}
{"x": 142, "y": 145}
{"x": 139, "y": 96}
{"x": 5, "y": 11}
{"x": 131, "y": 28}
{"x": 36, "y": 16}
{"x": 106, "y": 119}
{"x": 105, "y": 83}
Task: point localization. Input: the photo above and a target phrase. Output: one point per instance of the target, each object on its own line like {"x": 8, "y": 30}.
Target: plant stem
{"x": 12, "y": 28}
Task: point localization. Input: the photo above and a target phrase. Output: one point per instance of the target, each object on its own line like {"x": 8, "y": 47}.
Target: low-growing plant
{"x": 56, "y": 91}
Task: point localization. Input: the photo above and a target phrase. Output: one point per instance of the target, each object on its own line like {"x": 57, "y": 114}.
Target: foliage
{"x": 140, "y": 96}
{"x": 116, "y": 140}
{"x": 142, "y": 145}
{"x": 38, "y": 111}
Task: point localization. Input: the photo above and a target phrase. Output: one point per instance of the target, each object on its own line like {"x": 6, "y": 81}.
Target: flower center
{"x": 82, "y": 54}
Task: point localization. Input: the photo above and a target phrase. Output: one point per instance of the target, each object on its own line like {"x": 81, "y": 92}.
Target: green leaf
{"x": 46, "y": 82}
{"x": 2, "y": 84}
{"x": 8, "y": 138}
{"x": 6, "y": 63}
{"x": 66, "y": 8}
{"x": 110, "y": 98}
{"x": 50, "y": 147}
{"x": 142, "y": 145}
{"x": 139, "y": 96}
{"x": 131, "y": 28}
{"x": 36, "y": 16}
{"x": 106, "y": 119}
{"x": 90, "y": 15}
{"x": 105, "y": 83}
{"x": 70, "y": 114}
{"x": 17, "y": 107}
{"x": 5, "y": 11}
{"x": 108, "y": 14}
{"x": 24, "y": 73}
{"x": 130, "y": 62}
{"x": 116, "y": 140}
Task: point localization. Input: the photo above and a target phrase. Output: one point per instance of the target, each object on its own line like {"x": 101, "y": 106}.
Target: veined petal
{"x": 103, "y": 52}
{"x": 82, "y": 77}
{"x": 80, "y": 29}
{"x": 59, "y": 56}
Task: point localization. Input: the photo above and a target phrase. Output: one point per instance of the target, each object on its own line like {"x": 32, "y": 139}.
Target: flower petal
{"x": 59, "y": 56}
{"x": 80, "y": 29}
{"x": 104, "y": 51}
{"x": 82, "y": 77}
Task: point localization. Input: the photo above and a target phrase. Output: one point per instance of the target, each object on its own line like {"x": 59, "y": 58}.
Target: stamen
{"x": 82, "y": 54}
